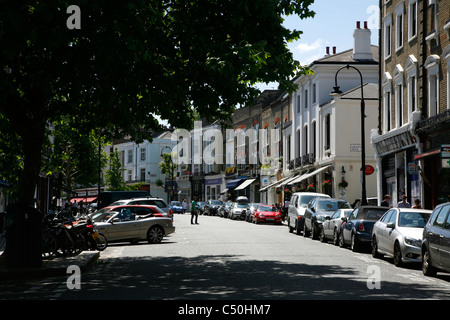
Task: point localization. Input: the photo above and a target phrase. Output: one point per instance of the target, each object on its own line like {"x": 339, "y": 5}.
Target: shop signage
{"x": 445, "y": 155}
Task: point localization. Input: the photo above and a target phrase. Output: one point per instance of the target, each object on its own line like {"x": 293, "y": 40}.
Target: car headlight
{"x": 413, "y": 242}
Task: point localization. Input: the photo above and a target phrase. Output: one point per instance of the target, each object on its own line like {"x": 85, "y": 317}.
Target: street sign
{"x": 369, "y": 170}
{"x": 445, "y": 155}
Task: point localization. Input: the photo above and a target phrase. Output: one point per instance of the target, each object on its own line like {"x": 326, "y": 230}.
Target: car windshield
{"x": 304, "y": 200}
{"x": 242, "y": 205}
{"x": 267, "y": 208}
{"x": 216, "y": 202}
{"x": 413, "y": 219}
{"x": 176, "y": 203}
{"x": 103, "y": 215}
{"x": 327, "y": 205}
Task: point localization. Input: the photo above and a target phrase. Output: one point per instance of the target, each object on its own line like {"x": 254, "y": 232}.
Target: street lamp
{"x": 171, "y": 170}
{"x": 363, "y": 140}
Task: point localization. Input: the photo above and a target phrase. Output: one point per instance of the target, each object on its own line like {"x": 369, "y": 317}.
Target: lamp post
{"x": 171, "y": 170}
{"x": 363, "y": 140}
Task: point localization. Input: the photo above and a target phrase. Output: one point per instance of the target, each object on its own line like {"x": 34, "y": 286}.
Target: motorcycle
{"x": 93, "y": 239}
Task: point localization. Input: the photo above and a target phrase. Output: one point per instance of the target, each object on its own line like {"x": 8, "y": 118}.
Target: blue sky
{"x": 333, "y": 25}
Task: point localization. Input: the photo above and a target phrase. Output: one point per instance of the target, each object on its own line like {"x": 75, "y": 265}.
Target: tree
{"x": 131, "y": 60}
{"x": 114, "y": 179}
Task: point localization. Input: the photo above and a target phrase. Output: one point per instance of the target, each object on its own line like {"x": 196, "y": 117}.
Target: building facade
{"x": 414, "y": 91}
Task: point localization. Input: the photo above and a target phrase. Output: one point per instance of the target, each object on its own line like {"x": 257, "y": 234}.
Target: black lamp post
{"x": 363, "y": 140}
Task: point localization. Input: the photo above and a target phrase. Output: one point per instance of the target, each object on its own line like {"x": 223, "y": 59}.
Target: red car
{"x": 266, "y": 213}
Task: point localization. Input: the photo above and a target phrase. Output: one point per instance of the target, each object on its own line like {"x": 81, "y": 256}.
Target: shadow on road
{"x": 230, "y": 277}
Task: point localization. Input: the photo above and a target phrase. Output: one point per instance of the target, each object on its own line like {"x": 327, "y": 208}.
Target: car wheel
{"x": 375, "y": 252}
{"x": 341, "y": 240}
{"x": 155, "y": 234}
{"x": 355, "y": 244}
{"x": 335, "y": 237}
{"x": 305, "y": 230}
{"x": 322, "y": 236}
{"x": 427, "y": 267}
{"x": 313, "y": 231}
{"x": 290, "y": 229}
{"x": 298, "y": 231}
{"x": 397, "y": 255}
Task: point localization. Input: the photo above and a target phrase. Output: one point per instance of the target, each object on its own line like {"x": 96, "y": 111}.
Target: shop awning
{"x": 272, "y": 184}
{"x": 84, "y": 199}
{"x": 245, "y": 184}
{"x": 224, "y": 191}
{"x": 289, "y": 179}
{"x": 234, "y": 183}
{"x": 308, "y": 175}
{"x": 427, "y": 154}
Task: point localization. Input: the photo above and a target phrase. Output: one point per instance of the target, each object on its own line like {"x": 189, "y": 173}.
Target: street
{"x": 235, "y": 260}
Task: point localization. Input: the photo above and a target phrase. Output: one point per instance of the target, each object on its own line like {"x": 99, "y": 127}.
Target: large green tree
{"x": 131, "y": 60}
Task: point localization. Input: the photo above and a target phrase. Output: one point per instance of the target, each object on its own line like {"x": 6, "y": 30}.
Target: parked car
{"x": 160, "y": 203}
{"x": 249, "y": 213}
{"x": 238, "y": 210}
{"x": 127, "y": 226}
{"x": 266, "y": 213}
{"x": 357, "y": 228}
{"x": 211, "y": 207}
{"x": 176, "y": 206}
{"x": 399, "y": 234}
{"x": 139, "y": 210}
{"x": 436, "y": 241}
{"x": 332, "y": 225}
{"x": 225, "y": 209}
{"x": 200, "y": 206}
{"x": 319, "y": 208}
{"x": 296, "y": 210}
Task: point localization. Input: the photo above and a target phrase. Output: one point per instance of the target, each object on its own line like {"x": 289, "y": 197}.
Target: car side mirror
{"x": 327, "y": 218}
{"x": 115, "y": 220}
{"x": 390, "y": 225}
{"x": 344, "y": 219}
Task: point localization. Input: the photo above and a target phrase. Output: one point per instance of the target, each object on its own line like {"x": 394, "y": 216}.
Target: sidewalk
{"x": 50, "y": 267}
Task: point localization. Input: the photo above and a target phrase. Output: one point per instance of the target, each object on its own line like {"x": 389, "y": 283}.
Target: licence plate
{"x": 95, "y": 235}
{"x": 269, "y": 219}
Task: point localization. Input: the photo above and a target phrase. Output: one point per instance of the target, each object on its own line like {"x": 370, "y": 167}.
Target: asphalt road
{"x": 235, "y": 260}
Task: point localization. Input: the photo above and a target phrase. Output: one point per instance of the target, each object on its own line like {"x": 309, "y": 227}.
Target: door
{"x": 444, "y": 238}
{"x": 348, "y": 226}
{"x": 124, "y": 226}
{"x": 435, "y": 235}
{"x": 384, "y": 232}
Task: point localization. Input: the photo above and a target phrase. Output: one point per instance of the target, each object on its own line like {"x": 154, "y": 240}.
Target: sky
{"x": 332, "y": 26}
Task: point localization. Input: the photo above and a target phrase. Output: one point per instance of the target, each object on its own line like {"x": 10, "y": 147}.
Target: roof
{"x": 347, "y": 57}
{"x": 370, "y": 91}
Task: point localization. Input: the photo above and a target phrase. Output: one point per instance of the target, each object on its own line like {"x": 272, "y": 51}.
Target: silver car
{"x": 238, "y": 210}
{"x": 399, "y": 234}
{"x": 126, "y": 226}
{"x": 331, "y": 225}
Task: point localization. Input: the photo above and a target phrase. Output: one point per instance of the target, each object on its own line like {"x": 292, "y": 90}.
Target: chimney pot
{"x": 328, "y": 50}
{"x": 358, "y": 25}
{"x": 334, "y": 50}
{"x": 365, "y": 24}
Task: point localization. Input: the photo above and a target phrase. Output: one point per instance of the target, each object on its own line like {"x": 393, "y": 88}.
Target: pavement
{"x": 50, "y": 267}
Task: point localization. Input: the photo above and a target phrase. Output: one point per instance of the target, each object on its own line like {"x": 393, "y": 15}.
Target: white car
{"x": 297, "y": 206}
{"x": 127, "y": 226}
{"x": 399, "y": 234}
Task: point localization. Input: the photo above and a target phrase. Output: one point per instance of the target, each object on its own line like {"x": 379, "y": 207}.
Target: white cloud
{"x": 308, "y": 52}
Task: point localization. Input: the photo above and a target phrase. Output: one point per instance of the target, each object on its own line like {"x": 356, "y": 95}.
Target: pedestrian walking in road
{"x": 194, "y": 212}
{"x": 184, "y": 205}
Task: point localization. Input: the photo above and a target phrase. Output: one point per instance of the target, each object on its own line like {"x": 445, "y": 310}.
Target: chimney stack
{"x": 334, "y": 50}
{"x": 328, "y": 51}
{"x": 361, "y": 43}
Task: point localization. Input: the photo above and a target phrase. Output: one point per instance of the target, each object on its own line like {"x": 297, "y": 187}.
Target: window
{"x": 412, "y": 17}
{"x": 399, "y": 13}
{"x": 432, "y": 65}
{"x": 129, "y": 156}
{"x": 440, "y": 219}
{"x": 142, "y": 175}
{"x": 142, "y": 154}
{"x": 327, "y": 143}
{"x": 298, "y": 103}
{"x": 305, "y": 136}
{"x": 387, "y": 111}
{"x": 411, "y": 71}
{"x": 399, "y": 105}
{"x": 388, "y": 36}
{"x": 314, "y": 93}
{"x": 306, "y": 99}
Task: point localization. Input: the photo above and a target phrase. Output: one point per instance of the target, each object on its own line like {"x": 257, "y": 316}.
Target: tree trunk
{"x": 23, "y": 221}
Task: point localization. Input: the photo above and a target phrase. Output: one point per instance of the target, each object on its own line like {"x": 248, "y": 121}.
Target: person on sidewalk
{"x": 194, "y": 212}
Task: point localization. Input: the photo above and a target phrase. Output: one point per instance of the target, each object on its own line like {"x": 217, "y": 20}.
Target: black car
{"x": 357, "y": 228}
{"x": 436, "y": 241}
{"x": 211, "y": 207}
{"x": 319, "y": 208}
